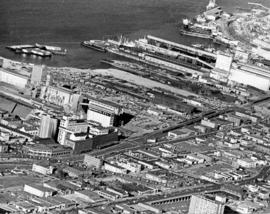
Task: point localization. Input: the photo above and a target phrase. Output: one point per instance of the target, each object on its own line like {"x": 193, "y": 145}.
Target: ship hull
{"x": 94, "y": 47}
{"x": 195, "y": 34}
{"x": 219, "y": 42}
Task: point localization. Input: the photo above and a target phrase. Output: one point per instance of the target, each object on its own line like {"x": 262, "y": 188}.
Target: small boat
{"x": 197, "y": 45}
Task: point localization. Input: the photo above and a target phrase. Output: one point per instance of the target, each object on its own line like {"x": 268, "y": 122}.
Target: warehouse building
{"x": 251, "y": 75}
{"x": 13, "y": 78}
{"x": 38, "y": 190}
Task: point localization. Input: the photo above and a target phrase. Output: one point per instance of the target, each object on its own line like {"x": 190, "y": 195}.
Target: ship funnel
{"x": 185, "y": 21}
{"x": 211, "y": 5}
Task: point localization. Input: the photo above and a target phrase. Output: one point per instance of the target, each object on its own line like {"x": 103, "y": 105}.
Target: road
{"x": 162, "y": 196}
{"x": 140, "y": 142}
{"x": 159, "y": 197}
{"x": 263, "y": 174}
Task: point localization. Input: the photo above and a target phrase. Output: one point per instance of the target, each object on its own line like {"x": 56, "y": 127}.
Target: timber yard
{"x": 163, "y": 127}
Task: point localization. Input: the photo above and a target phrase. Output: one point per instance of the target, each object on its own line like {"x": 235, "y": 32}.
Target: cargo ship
{"x": 191, "y": 30}
{"x": 224, "y": 41}
{"x": 37, "y": 49}
{"x": 98, "y": 45}
{"x": 53, "y": 49}
{"x": 40, "y": 52}
{"x": 19, "y": 47}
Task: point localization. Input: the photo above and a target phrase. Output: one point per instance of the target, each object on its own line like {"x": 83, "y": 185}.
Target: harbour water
{"x": 66, "y": 23}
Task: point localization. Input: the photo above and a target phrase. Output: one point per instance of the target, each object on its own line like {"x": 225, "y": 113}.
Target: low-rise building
{"x": 47, "y": 151}
{"x": 91, "y": 161}
{"x": 43, "y": 168}
{"x": 247, "y": 207}
{"x": 130, "y": 165}
{"x": 89, "y": 196}
{"x": 246, "y": 163}
{"x": 121, "y": 193}
{"x": 32, "y": 130}
{"x": 180, "y": 133}
{"x": 76, "y": 172}
{"x": 61, "y": 187}
{"x": 115, "y": 169}
{"x": 108, "y": 195}
{"x": 38, "y": 190}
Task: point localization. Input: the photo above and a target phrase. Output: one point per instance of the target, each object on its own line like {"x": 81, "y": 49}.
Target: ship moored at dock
{"x": 162, "y": 53}
{"x": 53, "y": 49}
{"x": 190, "y": 29}
{"x": 38, "y": 50}
{"x": 19, "y": 47}
{"x": 98, "y": 45}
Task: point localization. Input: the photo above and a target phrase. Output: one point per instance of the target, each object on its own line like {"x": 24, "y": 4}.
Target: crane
{"x": 260, "y": 5}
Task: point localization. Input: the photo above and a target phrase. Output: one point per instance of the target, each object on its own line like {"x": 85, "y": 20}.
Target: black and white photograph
{"x": 134, "y": 106}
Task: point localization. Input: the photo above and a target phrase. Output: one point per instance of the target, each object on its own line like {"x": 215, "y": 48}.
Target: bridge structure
{"x": 259, "y": 5}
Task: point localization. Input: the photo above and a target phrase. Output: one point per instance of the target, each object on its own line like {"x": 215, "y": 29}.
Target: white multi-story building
{"x": 102, "y": 111}
{"x": 98, "y": 130}
{"x": 202, "y": 205}
{"x": 38, "y": 190}
{"x": 115, "y": 169}
{"x": 48, "y": 126}
{"x": 13, "y": 78}
{"x": 246, "y": 163}
{"x": 38, "y": 74}
{"x": 69, "y": 127}
{"x": 130, "y": 166}
{"x": 60, "y": 96}
{"x": 92, "y": 161}
{"x": 251, "y": 75}
{"x": 42, "y": 169}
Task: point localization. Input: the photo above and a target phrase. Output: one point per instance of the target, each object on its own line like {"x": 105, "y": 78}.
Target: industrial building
{"x": 48, "y": 127}
{"x": 92, "y": 161}
{"x": 255, "y": 76}
{"x": 57, "y": 95}
{"x": 38, "y": 190}
{"x": 42, "y": 168}
{"x": 70, "y": 127}
{"x": 38, "y": 74}
{"x": 222, "y": 67}
{"x": 89, "y": 196}
{"x": 13, "y": 78}
{"x": 95, "y": 142}
{"x": 46, "y": 151}
{"x": 202, "y": 205}
{"x": 102, "y": 111}
{"x": 175, "y": 56}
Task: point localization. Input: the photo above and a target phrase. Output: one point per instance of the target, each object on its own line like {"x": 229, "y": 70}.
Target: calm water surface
{"x": 66, "y": 23}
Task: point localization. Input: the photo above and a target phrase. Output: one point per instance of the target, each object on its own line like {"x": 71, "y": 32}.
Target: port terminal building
{"x": 226, "y": 70}
{"x": 255, "y": 76}
{"x": 13, "y": 78}
{"x": 177, "y": 54}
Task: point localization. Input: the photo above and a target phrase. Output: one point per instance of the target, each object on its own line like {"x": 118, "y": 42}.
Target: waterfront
{"x": 66, "y": 23}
